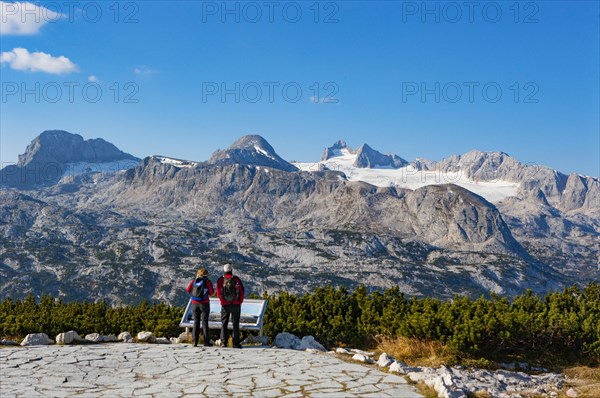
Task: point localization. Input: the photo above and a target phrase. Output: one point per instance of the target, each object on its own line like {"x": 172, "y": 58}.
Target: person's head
{"x": 202, "y": 272}
{"x": 227, "y": 269}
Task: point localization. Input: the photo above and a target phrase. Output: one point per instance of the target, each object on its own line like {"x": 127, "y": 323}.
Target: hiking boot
{"x": 209, "y": 344}
{"x": 237, "y": 346}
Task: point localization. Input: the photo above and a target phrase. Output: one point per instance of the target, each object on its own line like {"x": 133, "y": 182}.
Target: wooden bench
{"x": 251, "y": 318}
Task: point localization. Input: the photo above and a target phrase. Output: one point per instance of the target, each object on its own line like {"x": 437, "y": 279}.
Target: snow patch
{"x": 176, "y": 162}
{"x": 409, "y": 177}
{"x": 263, "y": 152}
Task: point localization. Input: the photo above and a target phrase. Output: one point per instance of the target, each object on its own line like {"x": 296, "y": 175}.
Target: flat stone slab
{"x": 177, "y": 370}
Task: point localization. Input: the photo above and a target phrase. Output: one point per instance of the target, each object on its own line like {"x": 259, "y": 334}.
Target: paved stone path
{"x": 146, "y": 370}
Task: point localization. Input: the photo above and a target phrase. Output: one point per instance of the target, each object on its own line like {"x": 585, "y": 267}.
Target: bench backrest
{"x": 252, "y": 314}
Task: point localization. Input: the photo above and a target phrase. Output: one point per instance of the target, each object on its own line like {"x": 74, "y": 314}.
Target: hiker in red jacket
{"x": 231, "y": 294}
{"x": 200, "y": 289}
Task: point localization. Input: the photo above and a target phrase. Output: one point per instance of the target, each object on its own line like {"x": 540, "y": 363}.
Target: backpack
{"x": 199, "y": 290}
{"x": 230, "y": 290}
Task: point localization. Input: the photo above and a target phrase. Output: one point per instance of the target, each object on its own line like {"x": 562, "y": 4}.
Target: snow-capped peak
{"x": 369, "y": 165}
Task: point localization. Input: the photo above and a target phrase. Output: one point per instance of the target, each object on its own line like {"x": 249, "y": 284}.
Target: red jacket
{"x": 211, "y": 291}
{"x": 239, "y": 285}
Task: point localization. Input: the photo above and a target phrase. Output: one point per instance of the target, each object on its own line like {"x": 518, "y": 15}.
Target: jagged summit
{"x": 335, "y": 150}
{"x": 251, "y": 150}
{"x": 367, "y": 157}
{"x": 364, "y": 156}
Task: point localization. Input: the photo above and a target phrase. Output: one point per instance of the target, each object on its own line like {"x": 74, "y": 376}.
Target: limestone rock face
{"x": 458, "y": 382}
{"x": 61, "y": 147}
{"x": 36, "y": 339}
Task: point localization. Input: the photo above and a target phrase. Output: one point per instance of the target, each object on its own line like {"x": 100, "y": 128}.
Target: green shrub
{"x": 559, "y": 323}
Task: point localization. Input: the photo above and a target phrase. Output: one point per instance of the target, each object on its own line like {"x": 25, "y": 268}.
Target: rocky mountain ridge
{"x": 284, "y": 229}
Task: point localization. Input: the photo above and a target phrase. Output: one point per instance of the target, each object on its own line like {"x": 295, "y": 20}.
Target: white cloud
{"x": 21, "y": 59}
{"x": 143, "y": 71}
{"x": 24, "y": 18}
{"x": 93, "y": 79}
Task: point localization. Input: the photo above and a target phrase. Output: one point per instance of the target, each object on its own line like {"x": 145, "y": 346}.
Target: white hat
{"x": 227, "y": 268}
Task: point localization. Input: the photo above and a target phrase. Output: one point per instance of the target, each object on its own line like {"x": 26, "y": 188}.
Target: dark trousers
{"x": 200, "y": 312}
{"x": 233, "y": 310}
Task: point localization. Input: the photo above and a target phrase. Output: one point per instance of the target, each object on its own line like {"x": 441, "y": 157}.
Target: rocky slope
{"x": 142, "y": 232}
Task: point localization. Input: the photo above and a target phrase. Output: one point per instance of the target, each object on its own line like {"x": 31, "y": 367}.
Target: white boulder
{"x": 124, "y": 336}
{"x": 111, "y": 338}
{"x": 8, "y": 342}
{"x": 146, "y": 337}
{"x": 37, "y": 339}
{"x": 384, "y": 360}
{"x": 309, "y": 343}
{"x": 361, "y": 352}
{"x": 571, "y": 393}
{"x": 401, "y": 368}
{"x": 162, "y": 340}
{"x": 69, "y": 337}
{"x": 287, "y": 341}
{"x": 93, "y": 338}
{"x": 341, "y": 350}
{"x": 363, "y": 358}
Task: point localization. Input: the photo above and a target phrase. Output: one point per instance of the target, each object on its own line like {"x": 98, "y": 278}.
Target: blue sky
{"x": 522, "y": 78}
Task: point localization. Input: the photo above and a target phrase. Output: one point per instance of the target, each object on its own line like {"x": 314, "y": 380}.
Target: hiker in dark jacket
{"x": 201, "y": 304}
{"x": 231, "y": 294}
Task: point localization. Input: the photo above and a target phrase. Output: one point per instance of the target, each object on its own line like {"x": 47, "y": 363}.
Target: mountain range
{"x": 82, "y": 219}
